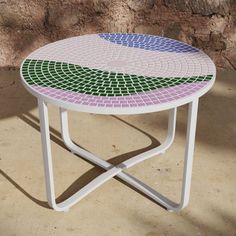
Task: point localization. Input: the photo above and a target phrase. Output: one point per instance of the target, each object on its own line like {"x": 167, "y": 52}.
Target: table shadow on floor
{"x": 89, "y": 175}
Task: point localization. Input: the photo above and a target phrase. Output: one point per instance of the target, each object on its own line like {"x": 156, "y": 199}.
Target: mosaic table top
{"x": 118, "y": 73}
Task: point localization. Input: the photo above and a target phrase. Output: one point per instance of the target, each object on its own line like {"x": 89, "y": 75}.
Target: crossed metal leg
{"x": 118, "y": 171}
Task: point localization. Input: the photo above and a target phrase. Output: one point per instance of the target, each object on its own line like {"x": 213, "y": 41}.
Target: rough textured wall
{"x": 207, "y": 24}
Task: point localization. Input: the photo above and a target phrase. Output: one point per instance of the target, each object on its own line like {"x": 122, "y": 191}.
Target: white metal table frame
{"x": 111, "y": 170}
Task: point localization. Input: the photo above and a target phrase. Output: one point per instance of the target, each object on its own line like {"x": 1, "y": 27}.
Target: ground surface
{"x": 114, "y": 208}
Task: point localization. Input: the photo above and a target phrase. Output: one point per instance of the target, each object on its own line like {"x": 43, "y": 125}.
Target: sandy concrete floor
{"x": 114, "y": 208}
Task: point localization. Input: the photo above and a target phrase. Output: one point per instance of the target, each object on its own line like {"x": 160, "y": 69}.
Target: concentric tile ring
{"x": 118, "y": 73}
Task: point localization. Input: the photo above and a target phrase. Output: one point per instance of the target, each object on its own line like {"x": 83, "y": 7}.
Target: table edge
{"x": 119, "y": 110}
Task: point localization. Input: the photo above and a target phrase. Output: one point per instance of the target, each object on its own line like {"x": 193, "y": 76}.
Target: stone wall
{"x": 207, "y": 24}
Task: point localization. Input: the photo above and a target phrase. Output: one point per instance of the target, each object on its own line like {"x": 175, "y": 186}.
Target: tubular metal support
{"x": 118, "y": 171}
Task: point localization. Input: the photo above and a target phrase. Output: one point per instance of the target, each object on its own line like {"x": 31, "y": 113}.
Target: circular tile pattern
{"x": 101, "y": 80}
{"x": 70, "y": 77}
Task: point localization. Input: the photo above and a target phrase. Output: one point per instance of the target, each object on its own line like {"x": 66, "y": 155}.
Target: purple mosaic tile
{"x": 154, "y": 97}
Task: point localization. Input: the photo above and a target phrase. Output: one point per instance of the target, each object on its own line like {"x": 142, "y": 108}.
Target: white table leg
{"x": 48, "y": 168}
{"x": 189, "y": 152}
{"x": 47, "y": 155}
{"x": 112, "y": 171}
{"x": 159, "y": 198}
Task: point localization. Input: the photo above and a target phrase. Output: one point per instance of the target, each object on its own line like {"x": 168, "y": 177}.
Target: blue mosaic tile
{"x": 148, "y": 42}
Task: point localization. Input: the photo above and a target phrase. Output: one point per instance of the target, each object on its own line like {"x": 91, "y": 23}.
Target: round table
{"x": 118, "y": 73}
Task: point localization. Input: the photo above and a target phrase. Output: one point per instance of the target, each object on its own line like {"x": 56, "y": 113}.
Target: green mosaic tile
{"x": 85, "y": 80}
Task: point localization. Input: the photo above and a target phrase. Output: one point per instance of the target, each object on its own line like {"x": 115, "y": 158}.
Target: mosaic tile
{"x": 148, "y": 42}
{"x": 70, "y": 77}
{"x": 117, "y": 70}
{"x": 154, "y": 97}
